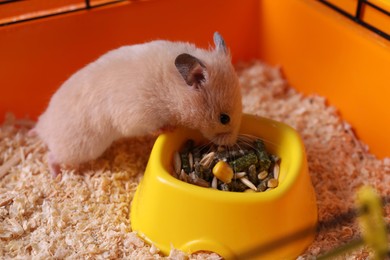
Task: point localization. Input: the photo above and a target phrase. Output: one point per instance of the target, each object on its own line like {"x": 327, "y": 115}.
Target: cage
{"x": 350, "y": 55}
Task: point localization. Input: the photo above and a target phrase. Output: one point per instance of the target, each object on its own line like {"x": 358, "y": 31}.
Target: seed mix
{"x": 245, "y": 167}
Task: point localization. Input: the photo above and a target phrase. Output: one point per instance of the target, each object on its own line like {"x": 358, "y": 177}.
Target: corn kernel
{"x": 223, "y": 172}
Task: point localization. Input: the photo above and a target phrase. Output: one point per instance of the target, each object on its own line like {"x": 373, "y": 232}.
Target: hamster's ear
{"x": 191, "y": 69}
{"x": 219, "y": 42}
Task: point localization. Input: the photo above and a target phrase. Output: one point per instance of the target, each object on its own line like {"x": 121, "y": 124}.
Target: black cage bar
{"x": 87, "y": 5}
{"x": 357, "y": 17}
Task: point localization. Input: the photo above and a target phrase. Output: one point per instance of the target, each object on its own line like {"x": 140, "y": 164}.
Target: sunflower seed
{"x": 207, "y": 159}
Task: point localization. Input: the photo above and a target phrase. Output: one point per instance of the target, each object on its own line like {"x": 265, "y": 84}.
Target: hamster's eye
{"x": 224, "y": 118}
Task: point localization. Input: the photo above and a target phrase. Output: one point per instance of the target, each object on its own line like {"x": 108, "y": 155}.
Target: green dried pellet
{"x": 237, "y": 186}
{"x": 264, "y": 160}
{"x": 252, "y": 174}
{"x": 242, "y": 163}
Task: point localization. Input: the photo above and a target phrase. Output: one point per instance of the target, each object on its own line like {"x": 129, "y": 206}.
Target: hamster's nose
{"x": 225, "y": 138}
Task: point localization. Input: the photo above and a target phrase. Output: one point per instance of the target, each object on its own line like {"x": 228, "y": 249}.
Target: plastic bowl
{"x": 170, "y": 213}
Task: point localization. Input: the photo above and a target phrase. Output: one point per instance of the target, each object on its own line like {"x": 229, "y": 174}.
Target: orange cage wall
{"x": 320, "y": 50}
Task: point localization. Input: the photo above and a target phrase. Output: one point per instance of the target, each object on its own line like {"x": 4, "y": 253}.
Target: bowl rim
{"x": 161, "y": 149}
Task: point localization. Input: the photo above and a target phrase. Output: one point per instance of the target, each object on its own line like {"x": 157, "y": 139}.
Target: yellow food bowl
{"x": 170, "y": 213}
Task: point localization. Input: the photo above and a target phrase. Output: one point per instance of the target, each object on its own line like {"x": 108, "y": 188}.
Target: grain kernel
{"x": 177, "y": 163}
{"x": 248, "y": 183}
{"x": 262, "y": 175}
{"x": 276, "y": 171}
{"x": 272, "y": 183}
{"x": 214, "y": 183}
{"x": 239, "y": 175}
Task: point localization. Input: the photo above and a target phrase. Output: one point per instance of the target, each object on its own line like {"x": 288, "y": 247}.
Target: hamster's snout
{"x": 225, "y": 138}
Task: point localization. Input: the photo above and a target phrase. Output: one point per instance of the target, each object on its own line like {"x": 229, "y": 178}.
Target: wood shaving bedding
{"x": 85, "y": 213}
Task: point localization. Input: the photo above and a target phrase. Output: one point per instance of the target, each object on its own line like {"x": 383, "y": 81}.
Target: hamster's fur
{"x": 137, "y": 90}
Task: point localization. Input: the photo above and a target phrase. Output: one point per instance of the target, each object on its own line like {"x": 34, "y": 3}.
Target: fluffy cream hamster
{"x": 137, "y": 90}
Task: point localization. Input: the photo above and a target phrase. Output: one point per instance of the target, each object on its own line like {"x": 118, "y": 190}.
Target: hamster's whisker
{"x": 246, "y": 141}
{"x": 235, "y": 145}
{"x": 246, "y": 137}
{"x": 202, "y": 146}
{"x": 207, "y": 147}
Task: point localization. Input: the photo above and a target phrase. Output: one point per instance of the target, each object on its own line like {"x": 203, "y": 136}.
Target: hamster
{"x": 138, "y": 90}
